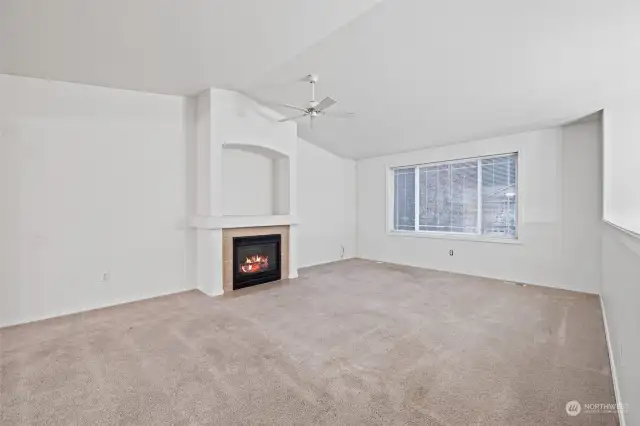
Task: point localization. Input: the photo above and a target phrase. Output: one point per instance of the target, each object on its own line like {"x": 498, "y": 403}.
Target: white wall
{"x": 620, "y": 290}
{"x": 621, "y": 159}
{"x": 620, "y": 297}
{"x": 93, "y": 181}
{"x": 248, "y": 184}
{"x": 581, "y": 205}
{"x": 560, "y": 204}
{"x": 326, "y": 205}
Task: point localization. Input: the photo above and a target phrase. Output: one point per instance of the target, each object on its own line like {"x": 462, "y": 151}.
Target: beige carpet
{"x": 350, "y": 343}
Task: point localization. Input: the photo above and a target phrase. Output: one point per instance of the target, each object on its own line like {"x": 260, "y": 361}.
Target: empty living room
{"x": 296, "y": 212}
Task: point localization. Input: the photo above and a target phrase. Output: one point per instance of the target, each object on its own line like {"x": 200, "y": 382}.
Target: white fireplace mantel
{"x": 226, "y": 222}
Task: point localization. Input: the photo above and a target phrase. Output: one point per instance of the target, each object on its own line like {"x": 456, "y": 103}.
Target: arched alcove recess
{"x": 258, "y": 147}
{"x": 253, "y": 186}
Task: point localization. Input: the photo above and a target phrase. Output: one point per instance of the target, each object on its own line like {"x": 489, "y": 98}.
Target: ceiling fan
{"x": 315, "y": 109}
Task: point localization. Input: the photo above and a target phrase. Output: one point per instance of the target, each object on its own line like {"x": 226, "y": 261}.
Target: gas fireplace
{"x": 256, "y": 260}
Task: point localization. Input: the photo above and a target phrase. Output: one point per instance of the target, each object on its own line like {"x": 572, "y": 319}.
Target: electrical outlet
{"x": 106, "y": 276}
{"x": 450, "y": 252}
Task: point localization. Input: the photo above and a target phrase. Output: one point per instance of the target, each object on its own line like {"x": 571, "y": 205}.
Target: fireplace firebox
{"x": 256, "y": 260}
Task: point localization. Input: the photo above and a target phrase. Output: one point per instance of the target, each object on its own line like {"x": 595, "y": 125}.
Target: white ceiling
{"x": 163, "y": 46}
{"x": 416, "y": 72}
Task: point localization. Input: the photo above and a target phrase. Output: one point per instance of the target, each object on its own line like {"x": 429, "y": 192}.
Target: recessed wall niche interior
{"x": 256, "y": 182}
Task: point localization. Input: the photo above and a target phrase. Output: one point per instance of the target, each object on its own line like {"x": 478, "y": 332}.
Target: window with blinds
{"x": 474, "y": 196}
{"x": 404, "y": 206}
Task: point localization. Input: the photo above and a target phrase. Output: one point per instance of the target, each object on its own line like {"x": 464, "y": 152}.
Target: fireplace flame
{"x": 255, "y": 263}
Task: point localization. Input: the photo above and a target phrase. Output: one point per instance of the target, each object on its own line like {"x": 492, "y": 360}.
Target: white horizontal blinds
{"x": 449, "y": 197}
{"x": 404, "y": 199}
{"x": 500, "y": 196}
{"x": 476, "y": 196}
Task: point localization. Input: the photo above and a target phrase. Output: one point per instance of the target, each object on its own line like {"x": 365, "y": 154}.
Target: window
{"x": 476, "y": 196}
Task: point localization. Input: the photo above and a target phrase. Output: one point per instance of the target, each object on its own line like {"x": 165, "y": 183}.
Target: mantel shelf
{"x": 225, "y": 222}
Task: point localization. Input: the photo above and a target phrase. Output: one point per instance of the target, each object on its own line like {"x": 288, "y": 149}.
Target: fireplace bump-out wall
{"x": 228, "y": 120}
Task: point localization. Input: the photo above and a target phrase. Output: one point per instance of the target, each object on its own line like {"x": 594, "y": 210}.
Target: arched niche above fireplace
{"x": 256, "y": 180}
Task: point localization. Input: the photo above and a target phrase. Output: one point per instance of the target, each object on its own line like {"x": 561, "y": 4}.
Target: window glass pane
{"x": 449, "y": 197}
{"x": 500, "y": 196}
{"x": 449, "y": 200}
{"x": 404, "y": 199}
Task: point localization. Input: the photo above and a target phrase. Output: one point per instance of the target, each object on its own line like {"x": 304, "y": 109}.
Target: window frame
{"x": 390, "y": 199}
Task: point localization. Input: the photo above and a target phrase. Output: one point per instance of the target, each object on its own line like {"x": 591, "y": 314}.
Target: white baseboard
{"x": 326, "y": 262}
{"x": 89, "y": 308}
{"x": 612, "y": 362}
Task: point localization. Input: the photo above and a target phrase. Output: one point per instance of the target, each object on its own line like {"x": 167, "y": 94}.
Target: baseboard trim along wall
{"x": 612, "y": 362}
{"x": 89, "y": 308}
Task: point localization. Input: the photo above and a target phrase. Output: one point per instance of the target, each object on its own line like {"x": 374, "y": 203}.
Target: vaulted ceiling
{"x": 415, "y": 72}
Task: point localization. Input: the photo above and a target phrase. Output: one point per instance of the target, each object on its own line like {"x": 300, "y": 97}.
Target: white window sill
{"x": 460, "y": 237}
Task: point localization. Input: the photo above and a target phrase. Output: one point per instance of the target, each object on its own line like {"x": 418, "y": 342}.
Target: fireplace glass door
{"x": 257, "y": 260}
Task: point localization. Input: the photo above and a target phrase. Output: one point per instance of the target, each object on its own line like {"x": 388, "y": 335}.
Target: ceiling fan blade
{"x": 291, "y": 106}
{"x": 295, "y": 117}
{"x": 325, "y": 103}
{"x": 340, "y": 114}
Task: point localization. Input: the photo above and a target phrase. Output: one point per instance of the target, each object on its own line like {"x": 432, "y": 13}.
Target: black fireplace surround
{"x": 256, "y": 260}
